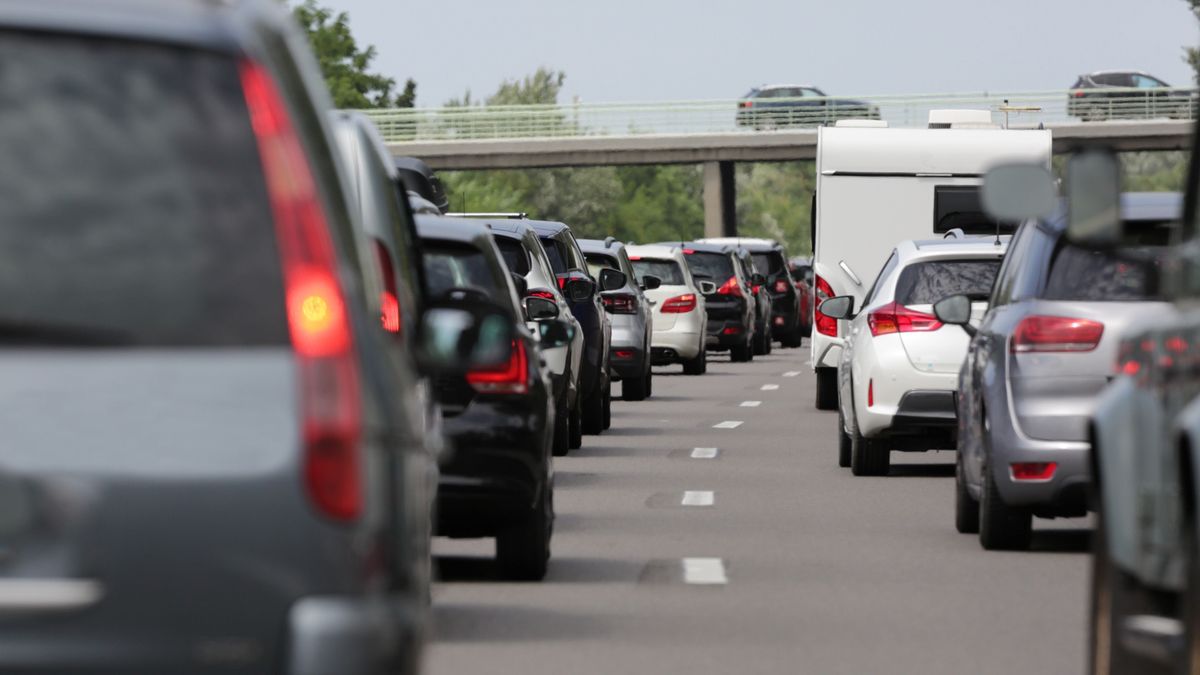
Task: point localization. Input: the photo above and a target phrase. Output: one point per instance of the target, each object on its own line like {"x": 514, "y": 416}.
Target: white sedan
{"x": 680, "y": 320}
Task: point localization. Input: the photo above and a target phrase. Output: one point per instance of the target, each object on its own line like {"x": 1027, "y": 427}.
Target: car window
{"x": 599, "y": 261}
{"x": 1147, "y": 82}
{"x": 667, "y": 270}
{"x": 1080, "y": 274}
{"x": 715, "y": 266}
{"x": 515, "y": 257}
{"x": 1117, "y": 79}
{"x": 769, "y": 263}
{"x": 574, "y": 255}
{"x": 134, "y": 209}
{"x": 449, "y": 266}
{"x": 813, "y": 93}
{"x": 924, "y": 283}
{"x": 556, "y": 252}
{"x": 888, "y": 266}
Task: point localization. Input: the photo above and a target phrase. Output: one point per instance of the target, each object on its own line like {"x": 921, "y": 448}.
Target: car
{"x": 570, "y": 268}
{"x": 731, "y": 309}
{"x": 630, "y": 313}
{"x": 762, "y": 301}
{"x": 786, "y": 105}
{"x": 1127, "y": 94}
{"x": 414, "y": 175}
{"x": 1040, "y": 357}
{"x": 899, "y": 369}
{"x": 524, "y": 256}
{"x": 215, "y": 485}
{"x": 680, "y": 316}
{"x": 770, "y": 260}
{"x": 499, "y": 482}
{"x": 802, "y": 279}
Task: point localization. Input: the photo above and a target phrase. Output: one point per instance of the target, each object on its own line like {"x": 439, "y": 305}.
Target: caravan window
{"x": 959, "y": 207}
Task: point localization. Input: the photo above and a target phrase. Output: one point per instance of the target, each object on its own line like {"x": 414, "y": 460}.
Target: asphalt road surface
{"x": 766, "y": 558}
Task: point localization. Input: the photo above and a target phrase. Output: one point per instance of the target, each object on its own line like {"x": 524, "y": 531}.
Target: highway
{"x": 792, "y": 564}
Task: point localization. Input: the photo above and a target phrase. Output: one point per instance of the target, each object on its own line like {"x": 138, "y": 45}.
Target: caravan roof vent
{"x": 961, "y": 119}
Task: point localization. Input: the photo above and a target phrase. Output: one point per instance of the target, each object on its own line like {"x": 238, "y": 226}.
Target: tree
{"x": 1191, "y": 54}
{"x": 345, "y": 66}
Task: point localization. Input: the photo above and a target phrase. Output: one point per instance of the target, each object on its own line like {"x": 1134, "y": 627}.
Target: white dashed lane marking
{"x": 751, "y": 404}
{"x": 791, "y": 373}
{"x": 704, "y": 453}
{"x": 728, "y": 424}
{"x": 770, "y": 387}
{"x": 704, "y": 571}
{"x": 698, "y": 498}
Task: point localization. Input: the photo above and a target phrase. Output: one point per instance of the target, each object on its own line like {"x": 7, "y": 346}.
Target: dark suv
{"x": 571, "y": 268}
{"x": 731, "y": 308}
{"x": 1127, "y": 94}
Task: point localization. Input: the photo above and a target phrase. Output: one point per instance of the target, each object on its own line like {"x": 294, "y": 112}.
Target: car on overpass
{"x": 774, "y": 106}
{"x": 1127, "y": 94}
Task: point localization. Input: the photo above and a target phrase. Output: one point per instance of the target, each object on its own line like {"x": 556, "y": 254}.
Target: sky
{"x": 656, "y": 50}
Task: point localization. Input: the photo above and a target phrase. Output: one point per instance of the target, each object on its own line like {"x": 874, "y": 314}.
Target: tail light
{"x": 896, "y": 318}
{"x": 620, "y": 303}
{"x": 562, "y": 282}
{"x": 389, "y": 300}
{"x": 745, "y": 104}
{"x": 1033, "y": 470}
{"x": 1056, "y": 334}
{"x": 756, "y": 288}
{"x": 509, "y": 378}
{"x": 731, "y": 287}
{"x": 826, "y": 325}
{"x": 781, "y": 286}
{"x": 1077, "y": 94}
{"x": 623, "y": 353}
{"x": 315, "y": 305}
{"x": 870, "y": 392}
{"x": 541, "y": 293}
{"x": 731, "y": 330}
{"x": 680, "y": 304}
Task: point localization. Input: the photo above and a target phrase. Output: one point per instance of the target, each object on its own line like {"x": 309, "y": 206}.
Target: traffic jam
{"x": 254, "y": 367}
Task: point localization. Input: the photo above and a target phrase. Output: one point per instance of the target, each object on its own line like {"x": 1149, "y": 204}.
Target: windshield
{"x": 516, "y": 258}
{"x": 667, "y": 270}
{"x": 716, "y": 266}
{"x": 1080, "y": 274}
{"x": 599, "y": 261}
{"x": 449, "y": 266}
{"x": 925, "y": 283}
{"x": 769, "y": 263}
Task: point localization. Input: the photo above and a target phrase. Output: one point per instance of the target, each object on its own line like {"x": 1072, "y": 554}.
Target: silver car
{"x": 1042, "y": 355}
{"x": 630, "y": 313}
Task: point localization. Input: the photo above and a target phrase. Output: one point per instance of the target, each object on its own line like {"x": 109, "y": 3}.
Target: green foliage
{"x": 345, "y": 66}
{"x": 1191, "y": 55}
{"x": 775, "y": 201}
{"x": 1162, "y": 171}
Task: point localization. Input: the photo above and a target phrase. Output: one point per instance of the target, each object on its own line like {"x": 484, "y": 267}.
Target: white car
{"x": 899, "y": 367}
{"x": 679, "y": 320}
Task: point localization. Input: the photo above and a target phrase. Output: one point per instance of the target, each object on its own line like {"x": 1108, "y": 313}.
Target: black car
{"x": 498, "y": 481}
{"x": 1127, "y": 94}
{"x": 770, "y": 260}
{"x": 731, "y": 308}
{"x": 789, "y": 105}
{"x": 570, "y": 267}
{"x": 415, "y": 176}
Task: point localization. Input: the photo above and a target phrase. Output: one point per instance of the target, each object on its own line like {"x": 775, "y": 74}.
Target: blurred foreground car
{"x": 795, "y": 105}
{"x": 680, "y": 320}
{"x": 187, "y": 289}
{"x": 629, "y": 311}
{"x": 499, "y": 481}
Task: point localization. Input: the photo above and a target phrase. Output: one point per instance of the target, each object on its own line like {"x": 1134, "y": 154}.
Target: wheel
{"x": 750, "y": 350}
{"x": 575, "y": 426}
{"x": 843, "y": 442}
{"x": 1191, "y": 602}
{"x": 869, "y": 456}
{"x": 523, "y": 551}
{"x": 1002, "y": 527}
{"x": 794, "y": 339}
{"x": 740, "y": 353}
{"x": 562, "y": 429}
{"x": 636, "y": 389}
{"x": 649, "y": 383}
{"x": 697, "y": 365}
{"x": 827, "y": 389}
{"x": 762, "y": 344}
{"x": 966, "y": 509}
{"x": 593, "y": 413}
{"x": 1113, "y": 598}
{"x": 607, "y": 405}
{"x": 769, "y": 342}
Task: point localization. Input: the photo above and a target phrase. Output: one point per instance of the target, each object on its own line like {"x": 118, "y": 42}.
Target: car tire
{"x": 1111, "y": 600}
{"x": 635, "y": 389}
{"x": 966, "y": 508}
{"x": 1190, "y": 612}
{"x": 523, "y": 551}
{"x": 697, "y": 365}
{"x": 575, "y": 426}
{"x": 844, "y": 442}
{"x": 740, "y": 353}
{"x": 562, "y": 430}
{"x": 1002, "y": 527}
{"x": 869, "y": 456}
{"x": 761, "y": 342}
{"x": 607, "y": 407}
{"x": 649, "y": 382}
{"x": 593, "y": 413}
{"x": 827, "y": 389}
{"x": 795, "y": 339}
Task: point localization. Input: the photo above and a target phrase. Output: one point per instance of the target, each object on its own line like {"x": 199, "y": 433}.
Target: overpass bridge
{"x": 714, "y": 134}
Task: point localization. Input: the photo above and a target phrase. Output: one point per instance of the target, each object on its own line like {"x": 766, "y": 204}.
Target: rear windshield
{"x": 132, "y": 207}
{"x": 599, "y": 261}
{"x": 515, "y": 256}
{"x": 556, "y": 253}
{"x": 769, "y": 263}
{"x": 1079, "y": 274}
{"x": 716, "y": 266}
{"x": 451, "y": 266}
{"x": 925, "y": 283}
{"x": 667, "y": 270}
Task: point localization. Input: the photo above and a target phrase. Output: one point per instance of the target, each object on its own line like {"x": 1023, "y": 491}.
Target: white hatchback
{"x": 898, "y": 373}
{"x": 680, "y": 320}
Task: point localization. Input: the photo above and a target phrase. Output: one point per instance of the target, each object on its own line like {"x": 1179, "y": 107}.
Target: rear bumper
{"x": 723, "y": 334}
{"x": 334, "y": 635}
{"x": 627, "y": 362}
{"x": 673, "y": 346}
{"x": 1064, "y": 494}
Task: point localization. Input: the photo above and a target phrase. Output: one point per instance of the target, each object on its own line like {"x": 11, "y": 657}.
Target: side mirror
{"x": 458, "y": 336}
{"x": 650, "y": 282}
{"x": 1094, "y": 198}
{"x": 553, "y": 334}
{"x": 706, "y": 287}
{"x": 611, "y": 280}
{"x": 540, "y": 309}
{"x": 520, "y": 283}
{"x": 840, "y": 307}
{"x": 758, "y": 279}
{"x": 1016, "y": 192}
{"x": 955, "y": 311}
{"x": 578, "y": 290}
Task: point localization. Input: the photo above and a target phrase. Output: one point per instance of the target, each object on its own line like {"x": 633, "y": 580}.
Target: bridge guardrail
{"x": 733, "y": 115}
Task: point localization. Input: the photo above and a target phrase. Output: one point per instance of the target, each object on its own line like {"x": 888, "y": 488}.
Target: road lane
{"x": 823, "y": 572}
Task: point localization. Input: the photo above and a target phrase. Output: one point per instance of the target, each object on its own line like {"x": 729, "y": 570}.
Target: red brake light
{"x": 315, "y": 305}
{"x": 730, "y": 287}
{"x": 1056, "y": 334}
{"x": 1077, "y": 94}
{"x": 540, "y": 293}
{"x": 1033, "y": 470}
{"x": 562, "y": 282}
{"x": 746, "y": 104}
{"x": 510, "y": 378}
{"x": 781, "y": 286}
{"x": 620, "y": 303}
{"x": 389, "y": 301}
{"x": 635, "y": 257}
{"x": 826, "y": 325}
{"x": 756, "y": 288}
{"x": 689, "y": 251}
{"x": 896, "y": 318}
{"x": 680, "y": 304}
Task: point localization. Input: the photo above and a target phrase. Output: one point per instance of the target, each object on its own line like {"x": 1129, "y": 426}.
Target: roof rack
{"x": 609, "y": 241}
{"x": 520, "y": 215}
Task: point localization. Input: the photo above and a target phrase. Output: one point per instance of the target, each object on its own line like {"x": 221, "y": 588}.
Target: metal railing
{"x": 1024, "y": 109}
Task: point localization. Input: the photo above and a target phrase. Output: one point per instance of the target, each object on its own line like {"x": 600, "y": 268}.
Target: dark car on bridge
{"x": 498, "y": 481}
{"x": 1127, "y": 94}
{"x": 731, "y": 308}
{"x": 797, "y": 105}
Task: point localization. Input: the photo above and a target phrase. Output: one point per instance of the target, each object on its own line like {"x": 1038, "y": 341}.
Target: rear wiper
{"x": 32, "y": 333}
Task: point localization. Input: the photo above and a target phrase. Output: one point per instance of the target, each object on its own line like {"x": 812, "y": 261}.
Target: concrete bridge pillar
{"x": 720, "y": 200}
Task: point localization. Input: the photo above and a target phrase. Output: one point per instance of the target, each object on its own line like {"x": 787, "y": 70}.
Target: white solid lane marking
{"x": 751, "y": 404}
{"x": 698, "y": 498}
{"x": 791, "y": 373}
{"x": 704, "y": 453}
{"x": 728, "y": 424}
{"x": 770, "y": 387}
{"x": 704, "y": 571}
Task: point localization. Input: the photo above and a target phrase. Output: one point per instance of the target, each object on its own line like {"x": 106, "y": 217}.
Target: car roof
{"x": 1121, "y": 72}
{"x": 982, "y": 246}
{"x": 510, "y": 228}
{"x": 547, "y": 228}
{"x": 763, "y": 87}
{"x": 652, "y": 250}
{"x": 606, "y": 245}
{"x": 705, "y": 248}
{"x": 198, "y": 22}
{"x": 451, "y": 229}
{"x": 752, "y": 244}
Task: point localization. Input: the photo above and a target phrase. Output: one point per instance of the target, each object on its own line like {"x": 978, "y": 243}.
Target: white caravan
{"x": 879, "y": 186}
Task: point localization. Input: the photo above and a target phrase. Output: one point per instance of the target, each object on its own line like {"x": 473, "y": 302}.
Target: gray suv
{"x": 630, "y": 313}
